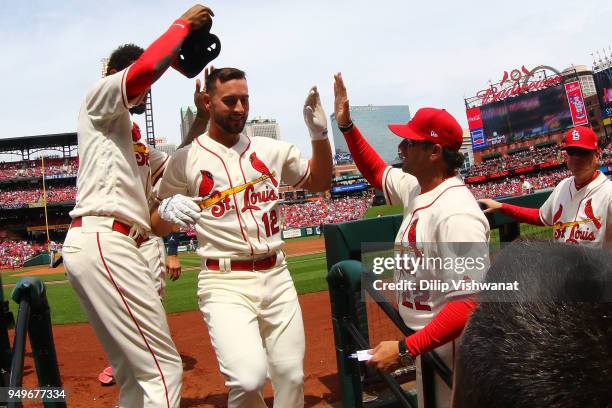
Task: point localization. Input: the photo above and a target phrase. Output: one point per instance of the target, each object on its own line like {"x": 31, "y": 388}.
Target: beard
{"x": 138, "y": 109}
{"x": 230, "y": 126}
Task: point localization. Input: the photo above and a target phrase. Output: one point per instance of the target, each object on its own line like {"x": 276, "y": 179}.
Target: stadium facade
{"x": 263, "y": 127}
{"x": 531, "y": 108}
{"x": 372, "y": 121}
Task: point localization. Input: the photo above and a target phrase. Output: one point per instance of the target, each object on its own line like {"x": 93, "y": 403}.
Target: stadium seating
{"x": 511, "y": 186}
{"x": 10, "y": 197}
{"x": 33, "y": 168}
{"x": 517, "y": 160}
{"x": 14, "y": 253}
{"x": 314, "y": 213}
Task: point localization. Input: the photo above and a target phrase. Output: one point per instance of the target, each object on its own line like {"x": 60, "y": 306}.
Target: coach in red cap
{"x": 578, "y": 207}
{"x": 438, "y": 210}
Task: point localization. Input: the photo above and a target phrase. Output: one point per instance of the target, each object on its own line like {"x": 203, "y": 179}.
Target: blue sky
{"x": 390, "y": 52}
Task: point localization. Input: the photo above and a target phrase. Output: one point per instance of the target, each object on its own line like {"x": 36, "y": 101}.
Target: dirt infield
{"x": 304, "y": 246}
{"x": 81, "y": 358}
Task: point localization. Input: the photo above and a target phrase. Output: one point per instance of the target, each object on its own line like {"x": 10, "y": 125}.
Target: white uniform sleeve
{"x": 108, "y": 97}
{"x": 462, "y": 238}
{"x": 158, "y": 161}
{"x": 399, "y": 188}
{"x": 174, "y": 180}
{"x": 547, "y": 210}
{"x": 295, "y": 169}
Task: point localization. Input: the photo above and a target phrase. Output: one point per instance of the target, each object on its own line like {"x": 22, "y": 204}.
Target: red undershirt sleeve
{"x": 522, "y": 214}
{"x": 445, "y": 326}
{"x": 156, "y": 59}
{"x": 371, "y": 165}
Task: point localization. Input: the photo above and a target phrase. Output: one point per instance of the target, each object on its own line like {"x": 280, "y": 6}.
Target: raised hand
{"x": 199, "y": 16}
{"x": 314, "y": 116}
{"x": 198, "y": 95}
{"x": 341, "y": 102}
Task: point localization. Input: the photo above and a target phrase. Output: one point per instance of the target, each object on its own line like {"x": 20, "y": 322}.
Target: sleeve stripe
{"x": 162, "y": 167}
{"x": 123, "y": 88}
{"x": 542, "y": 218}
{"x": 304, "y": 177}
{"x": 384, "y": 185}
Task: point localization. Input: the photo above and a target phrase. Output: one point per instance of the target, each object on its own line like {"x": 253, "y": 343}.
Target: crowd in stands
{"x": 33, "y": 168}
{"x": 606, "y": 155}
{"x": 14, "y": 253}
{"x": 315, "y": 213}
{"x": 524, "y": 158}
{"x": 10, "y": 197}
{"x": 510, "y": 186}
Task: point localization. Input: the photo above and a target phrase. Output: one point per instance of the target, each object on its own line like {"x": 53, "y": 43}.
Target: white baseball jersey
{"x": 158, "y": 161}
{"x": 240, "y": 218}
{"x": 104, "y": 266}
{"x": 447, "y": 214}
{"x": 580, "y": 216}
{"x": 114, "y": 175}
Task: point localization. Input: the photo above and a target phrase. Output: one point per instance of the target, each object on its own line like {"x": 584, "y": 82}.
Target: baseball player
{"x": 153, "y": 249}
{"x": 526, "y": 187}
{"x": 161, "y": 262}
{"x": 438, "y": 210}
{"x": 245, "y": 291}
{"x": 111, "y": 219}
{"x": 578, "y": 207}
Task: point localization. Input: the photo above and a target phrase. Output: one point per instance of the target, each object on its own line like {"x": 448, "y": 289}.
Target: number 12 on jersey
{"x": 270, "y": 221}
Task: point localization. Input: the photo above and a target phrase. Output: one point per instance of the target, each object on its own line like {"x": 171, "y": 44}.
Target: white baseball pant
{"x": 255, "y": 325}
{"x": 112, "y": 280}
{"x": 154, "y": 251}
{"x": 442, "y": 391}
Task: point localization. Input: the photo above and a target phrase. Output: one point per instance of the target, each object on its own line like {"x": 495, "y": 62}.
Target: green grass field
{"x": 308, "y": 273}
{"x": 383, "y": 210}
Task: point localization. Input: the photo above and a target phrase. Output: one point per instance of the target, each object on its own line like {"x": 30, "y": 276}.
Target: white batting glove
{"x": 314, "y": 116}
{"x": 180, "y": 210}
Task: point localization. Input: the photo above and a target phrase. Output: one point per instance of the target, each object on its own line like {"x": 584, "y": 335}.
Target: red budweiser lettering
{"x": 490, "y": 95}
{"x": 252, "y": 198}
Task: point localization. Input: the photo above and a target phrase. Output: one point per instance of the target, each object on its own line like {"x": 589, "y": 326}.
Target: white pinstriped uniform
{"x": 580, "y": 216}
{"x": 447, "y": 214}
{"x": 266, "y": 331}
{"x": 105, "y": 267}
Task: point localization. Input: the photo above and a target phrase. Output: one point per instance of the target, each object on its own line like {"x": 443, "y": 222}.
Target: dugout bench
{"x": 348, "y": 280}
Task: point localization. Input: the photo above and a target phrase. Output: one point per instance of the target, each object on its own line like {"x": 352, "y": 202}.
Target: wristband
{"x": 319, "y": 135}
{"x": 346, "y": 128}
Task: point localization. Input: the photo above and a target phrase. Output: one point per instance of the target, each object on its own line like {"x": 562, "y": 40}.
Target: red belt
{"x": 245, "y": 265}
{"x": 117, "y": 226}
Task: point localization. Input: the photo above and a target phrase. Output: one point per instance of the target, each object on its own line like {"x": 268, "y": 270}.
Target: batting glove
{"x": 314, "y": 116}
{"x": 180, "y": 210}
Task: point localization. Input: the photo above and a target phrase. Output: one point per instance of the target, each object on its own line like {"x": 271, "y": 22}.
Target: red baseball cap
{"x": 433, "y": 125}
{"x": 582, "y": 137}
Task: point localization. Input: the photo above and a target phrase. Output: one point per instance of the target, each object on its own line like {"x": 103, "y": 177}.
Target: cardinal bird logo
{"x": 412, "y": 241}
{"x": 136, "y": 132}
{"x": 588, "y": 210}
{"x": 206, "y": 184}
{"x": 262, "y": 168}
{"x": 558, "y": 214}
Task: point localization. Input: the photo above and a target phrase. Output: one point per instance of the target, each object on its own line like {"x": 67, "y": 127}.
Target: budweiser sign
{"x": 517, "y": 82}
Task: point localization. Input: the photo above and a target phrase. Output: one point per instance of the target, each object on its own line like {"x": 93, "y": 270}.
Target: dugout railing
{"x": 33, "y": 321}
{"x": 349, "y": 283}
